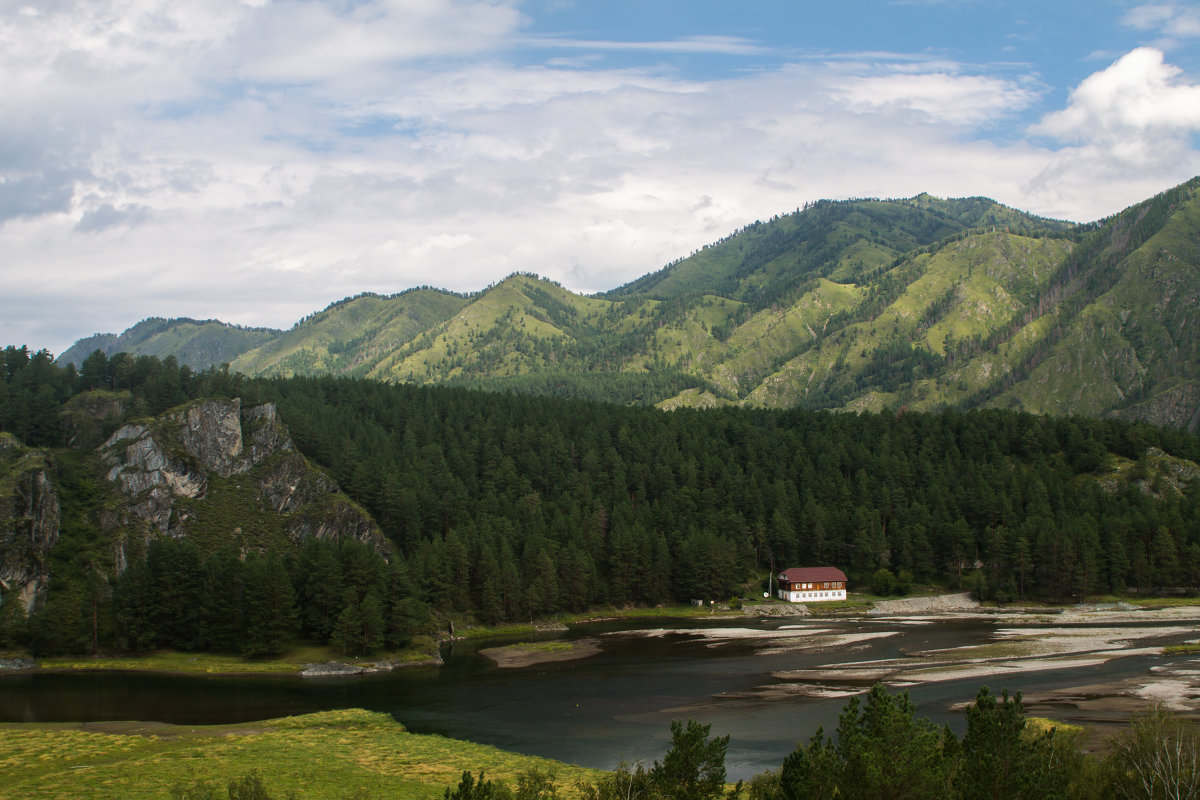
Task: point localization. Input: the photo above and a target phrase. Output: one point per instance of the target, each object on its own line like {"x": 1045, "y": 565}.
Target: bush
{"x": 1158, "y": 756}
{"x": 883, "y": 582}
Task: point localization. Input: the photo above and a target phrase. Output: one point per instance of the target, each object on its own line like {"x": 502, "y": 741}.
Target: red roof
{"x": 812, "y": 574}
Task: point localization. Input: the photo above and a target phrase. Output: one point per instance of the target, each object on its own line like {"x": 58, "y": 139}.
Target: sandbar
{"x": 528, "y": 654}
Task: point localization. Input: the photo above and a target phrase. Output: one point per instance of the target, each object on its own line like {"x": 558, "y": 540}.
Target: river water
{"x": 597, "y": 711}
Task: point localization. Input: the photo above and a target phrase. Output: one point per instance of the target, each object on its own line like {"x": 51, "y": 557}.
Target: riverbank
{"x": 296, "y": 661}
{"x": 328, "y": 755}
{"x": 317, "y": 662}
{"x": 1032, "y": 640}
{"x": 313, "y": 661}
{"x": 1021, "y": 641}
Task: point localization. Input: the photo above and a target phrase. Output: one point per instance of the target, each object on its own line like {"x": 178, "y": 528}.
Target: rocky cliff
{"x": 219, "y": 473}
{"x": 30, "y": 513}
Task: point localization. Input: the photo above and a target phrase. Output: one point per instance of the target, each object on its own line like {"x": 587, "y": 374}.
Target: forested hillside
{"x": 193, "y": 343}
{"x": 920, "y": 303}
{"x": 509, "y": 507}
{"x": 544, "y": 505}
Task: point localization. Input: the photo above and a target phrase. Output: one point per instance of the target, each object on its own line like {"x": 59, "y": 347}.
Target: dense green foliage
{"x": 544, "y": 505}
{"x": 343, "y": 594}
{"x": 33, "y": 389}
{"x": 634, "y": 389}
{"x": 511, "y": 507}
{"x": 884, "y": 750}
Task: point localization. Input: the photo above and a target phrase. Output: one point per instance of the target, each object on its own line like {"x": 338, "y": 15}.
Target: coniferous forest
{"x": 510, "y": 507}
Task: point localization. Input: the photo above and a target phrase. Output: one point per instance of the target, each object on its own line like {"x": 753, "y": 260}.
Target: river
{"x": 618, "y": 703}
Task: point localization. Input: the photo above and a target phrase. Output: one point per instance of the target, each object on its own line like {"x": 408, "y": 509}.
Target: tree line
{"x": 172, "y": 596}
{"x": 508, "y": 507}
{"x": 544, "y": 505}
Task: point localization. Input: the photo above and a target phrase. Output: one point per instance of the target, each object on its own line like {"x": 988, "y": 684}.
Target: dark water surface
{"x": 596, "y": 711}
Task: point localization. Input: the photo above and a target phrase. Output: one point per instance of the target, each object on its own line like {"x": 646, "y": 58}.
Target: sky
{"x": 254, "y": 161}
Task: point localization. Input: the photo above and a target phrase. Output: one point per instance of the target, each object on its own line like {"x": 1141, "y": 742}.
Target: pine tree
{"x": 268, "y": 607}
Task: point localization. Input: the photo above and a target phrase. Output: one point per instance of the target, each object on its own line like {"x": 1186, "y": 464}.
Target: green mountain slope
{"x": 194, "y": 343}
{"x": 905, "y": 352}
{"x": 520, "y": 325}
{"x": 839, "y": 240}
{"x": 922, "y": 303}
{"x": 1134, "y": 346}
{"x": 351, "y": 335}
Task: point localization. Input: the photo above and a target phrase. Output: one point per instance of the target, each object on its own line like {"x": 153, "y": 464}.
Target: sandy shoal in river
{"x": 527, "y": 654}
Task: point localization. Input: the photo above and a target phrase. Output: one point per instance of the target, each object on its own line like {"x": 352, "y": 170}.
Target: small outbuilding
{"x": 812, "y": 584}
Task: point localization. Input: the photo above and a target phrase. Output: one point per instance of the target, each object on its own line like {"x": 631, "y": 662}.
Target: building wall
{"x": 812, "y": 595}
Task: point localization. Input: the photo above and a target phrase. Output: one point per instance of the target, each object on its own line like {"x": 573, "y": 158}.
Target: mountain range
{"x": 920, "y": 303}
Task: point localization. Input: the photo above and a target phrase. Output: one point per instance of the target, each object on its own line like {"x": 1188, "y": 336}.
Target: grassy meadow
{"x": 331, "y": 755}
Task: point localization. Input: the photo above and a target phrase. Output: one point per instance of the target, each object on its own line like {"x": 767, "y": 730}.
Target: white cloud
{"x": 722, "y": 45}
{"x": 1129, "y": 128}
{"x": 952, "y": 98}
{"x": 255, "y": 161}
{"x": 1128, "y": 108}
{"x": 316, "y": 41}
{"x": 1172, "y": 20}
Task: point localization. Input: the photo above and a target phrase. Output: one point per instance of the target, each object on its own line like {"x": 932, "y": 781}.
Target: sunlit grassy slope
{"x": 332, "y": 754}
{"x": 864, "y": 304}
{"x": 349, "y": 336}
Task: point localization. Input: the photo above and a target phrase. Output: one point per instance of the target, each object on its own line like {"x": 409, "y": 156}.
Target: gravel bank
{"x": 924, "y": 605}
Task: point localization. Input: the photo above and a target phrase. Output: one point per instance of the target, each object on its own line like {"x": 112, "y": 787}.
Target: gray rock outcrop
{"x": 17, "y": 664}
{"x": 30, "y": 515}
{"x": 167, "y": 465}
{"x": 1178, "y": 406}
{"x": 143, "y": 469}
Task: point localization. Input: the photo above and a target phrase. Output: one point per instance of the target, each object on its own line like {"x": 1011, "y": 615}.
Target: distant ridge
{"x": 855, "y": 305}
{"x": 194, "y": 343}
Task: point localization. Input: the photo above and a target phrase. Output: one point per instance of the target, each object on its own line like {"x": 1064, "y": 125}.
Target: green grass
{"x": 1040, "y": 725}
{"x": 657, "y": 612}
{"x": 332, "y": 754}
{"x": 1182, "y": 649}
{"x": 545, "y": 647}
{"x": 377, "y": 324}
{"x": 470, "y": 631}
{"x": 852, "y": 603}
{"x": 225, "y": 664}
